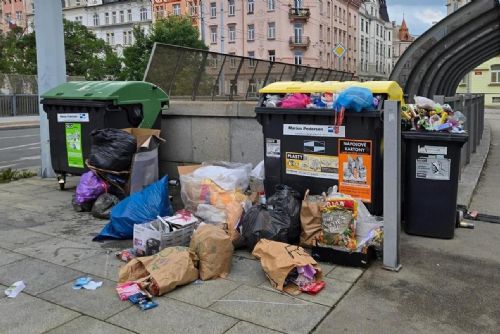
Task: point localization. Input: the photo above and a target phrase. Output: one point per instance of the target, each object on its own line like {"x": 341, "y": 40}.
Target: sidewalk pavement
{"x": 445, "y": 285}
{"x": 19, "y": 122}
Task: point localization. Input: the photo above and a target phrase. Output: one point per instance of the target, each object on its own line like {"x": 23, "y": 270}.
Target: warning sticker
{"x": 433, "y": 168}
{"x": 312, "y": 165}
{"x": 355, "y": 168}
{"x": 273, "y": 148}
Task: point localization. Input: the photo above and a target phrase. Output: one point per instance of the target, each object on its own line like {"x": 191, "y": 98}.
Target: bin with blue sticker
{"x": 315, "y": 147}
{"x": 75, "y": 109}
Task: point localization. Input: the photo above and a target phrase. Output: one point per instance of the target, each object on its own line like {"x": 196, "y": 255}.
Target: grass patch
{"x": 9, "y": 174}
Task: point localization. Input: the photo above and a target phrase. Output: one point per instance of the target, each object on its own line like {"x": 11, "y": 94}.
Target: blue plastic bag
{"x": 139, "y": 208}
{"x": 354, "y": 98}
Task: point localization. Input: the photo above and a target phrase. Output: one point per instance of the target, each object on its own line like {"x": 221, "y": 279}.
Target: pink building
{"x": 299, "y": 31}
{"x": 13, "y": 14}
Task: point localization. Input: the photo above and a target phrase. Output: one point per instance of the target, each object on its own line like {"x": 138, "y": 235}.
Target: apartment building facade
{"x": 13, "y": 14}
{"x": 375, "y": 41}
{"x": 402, "y": 39}
{"x": 302, "y": 32}
{"x": 164, "y": 8}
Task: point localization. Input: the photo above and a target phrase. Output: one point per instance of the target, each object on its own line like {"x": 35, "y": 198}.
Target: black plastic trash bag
{"x": 112, "y": 149}
{"x": 288, "y": 200}
{"x": 261, "y": 223}
{"x": 103, "y": 205}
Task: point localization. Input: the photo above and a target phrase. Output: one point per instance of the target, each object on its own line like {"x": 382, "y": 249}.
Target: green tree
{"x": 176, "y": 30}
{"x": 18, "y": 53}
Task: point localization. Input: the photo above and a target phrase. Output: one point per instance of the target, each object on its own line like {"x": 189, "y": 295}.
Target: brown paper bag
{"x": 310, "y": 221}
{"x": 214, "y": 249}
{"x": 279, "y": 259}
{"x": 162, "y": 272}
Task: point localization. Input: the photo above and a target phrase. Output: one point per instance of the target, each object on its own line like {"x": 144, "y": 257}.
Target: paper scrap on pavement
{"x": 92, "y": 285}
{"x": 13, "y": 290}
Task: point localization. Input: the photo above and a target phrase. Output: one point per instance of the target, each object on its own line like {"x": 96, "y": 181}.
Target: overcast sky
{"x": 419, "y": 14}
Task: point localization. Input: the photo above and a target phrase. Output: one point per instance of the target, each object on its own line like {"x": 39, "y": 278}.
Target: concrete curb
{"x": 19, "y": 126}
{"x": 470, "y": 175}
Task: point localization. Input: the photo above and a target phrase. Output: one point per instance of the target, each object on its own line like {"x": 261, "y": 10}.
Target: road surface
{"x": 20, "y": 149}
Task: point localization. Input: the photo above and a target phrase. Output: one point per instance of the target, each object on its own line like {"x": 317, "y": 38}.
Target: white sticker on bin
{"x": 436, "y": 150}
{"x": 73, "y": 118}
{"x": 312, "y": 130}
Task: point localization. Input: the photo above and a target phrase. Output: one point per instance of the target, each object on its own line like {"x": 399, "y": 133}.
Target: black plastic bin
{"x": 431, "y": 182}
{"x": 302, "y": 150}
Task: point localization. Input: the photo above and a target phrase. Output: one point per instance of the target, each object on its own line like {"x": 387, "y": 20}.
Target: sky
{"x": 419, "y": 14}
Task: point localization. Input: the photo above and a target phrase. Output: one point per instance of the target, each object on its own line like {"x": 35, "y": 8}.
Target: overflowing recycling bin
{"x": 309, "y": 144}
{"x": 75, "y": 109}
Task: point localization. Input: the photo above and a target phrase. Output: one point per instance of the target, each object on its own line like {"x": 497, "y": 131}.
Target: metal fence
{"x": 193, "y": 74}
{"x": 18, "y": 105}
{"x": 472, "y": 106}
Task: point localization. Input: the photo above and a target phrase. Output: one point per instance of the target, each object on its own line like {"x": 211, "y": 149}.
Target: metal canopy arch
{"x": 435, "y": 62}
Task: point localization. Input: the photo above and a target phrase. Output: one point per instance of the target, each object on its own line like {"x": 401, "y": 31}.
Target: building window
{"x": 77, "y": 2}
{"x": 143, "y": 14}
{"x": 251, "y": 32}
{"x": 298, "y": 3}
{"x": 113, "y": 17}
{"x": 125, "y": 38}
{"x": 329, "y": 35}
{"x": 213, "y": 9}
{"x": 106, "y": 18}
{"x": 232, "y": 8}
{"x": 250, "y": 6}
{"x": 298, "y": 30}
{"x": 213, "y": 34}
{"x": 110, "y": 38}
{"x": 271, "y": 30}
{"x": 328, "y": 9}
{"x": 362, "y": 44}
{"x": 320, "y": 7}
{"x": 96, "y": 20}
{"x": 366, "y": 26}
{"x": 129, "y": 15}
{"x": 272, "y": 55}
{"x": 321, "y": 32}
{"x": 192, "y": 9}
{"x": 298, "y": 57}
{"x": 320, "y": 59}
{"x": 232, "y": 33}
{"x": 232, "y": 60}
{"x": 495, "y": 99}
{"x": 122, "y": 16}
{"x": 271, "y": 5}
{"x": 176, "y": 8}
{"x": 251, "y": 61}
{"x": 19, "y": 16}
{"x": 495, "y": 73}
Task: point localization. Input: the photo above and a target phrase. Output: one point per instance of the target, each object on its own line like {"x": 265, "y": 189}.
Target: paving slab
{"x": 331, "y": 294}
{"x": 247, "y": 271}
{"x": 203, "y": 293}
{"x": 2, "y": 289}
{"x": 7, "y": 257}
{"x": 29, "y": 315}
{"x": 100, "y": 303}
{"x": 18, "y": 237}
{"x": 346, "y": 274}
{"x": 272, "y": 310}
{"x": 326, "y": 267}
{"x": 103, "y": 265}
{"x": 244, "y": 327}
{"x": 244, "y": 253}
{"x": 59, "y": 251}
{"x": 86, "y": 324}
{"x": 39, "y": 276}
{"x": 173, "y": 317}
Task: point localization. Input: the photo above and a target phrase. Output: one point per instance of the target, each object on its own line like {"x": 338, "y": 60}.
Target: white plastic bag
{"x": 210, "y": 214}
{"x": 228, "y": 176}
{"x": 425, "y": 103}
{"x": 257, "y": 178}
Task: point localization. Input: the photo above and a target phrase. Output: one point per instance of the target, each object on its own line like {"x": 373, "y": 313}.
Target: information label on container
{"x": 74, "y": 144}
{"x": 311, "y": 130}
{"x": 355, "y": 168}
{"x": 437, "y": 150}
{"x": 273, "y": 148}
{"x": 312, "y": 165}
{"x": 433, "y": 168}
{"x": 81, "y": 117}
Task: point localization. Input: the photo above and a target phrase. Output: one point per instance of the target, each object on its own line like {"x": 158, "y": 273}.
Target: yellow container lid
{"x": 391, "y": 88}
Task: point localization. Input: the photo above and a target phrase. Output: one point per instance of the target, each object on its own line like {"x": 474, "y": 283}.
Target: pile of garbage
{"x": 427, "y": 115}
{"x": 353, "y": 98}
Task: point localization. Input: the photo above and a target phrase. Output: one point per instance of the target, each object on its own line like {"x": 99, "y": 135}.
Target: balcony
{"x": 299, "y": 42}
{"x": 299, "y": 14}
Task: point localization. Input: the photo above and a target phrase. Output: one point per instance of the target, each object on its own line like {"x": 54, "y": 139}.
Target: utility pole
{"x": 51, "y": 60}
{"x": 222, "y": 87}
{"x": 202, "y": 23}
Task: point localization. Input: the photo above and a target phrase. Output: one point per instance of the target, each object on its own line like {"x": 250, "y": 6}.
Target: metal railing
{"x": 193, "y": 74}
{"x": 472, "y": 106}
{"x": 18, "y": 105}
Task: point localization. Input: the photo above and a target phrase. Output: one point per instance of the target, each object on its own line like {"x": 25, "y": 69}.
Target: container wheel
{"x": 61, "y": 179}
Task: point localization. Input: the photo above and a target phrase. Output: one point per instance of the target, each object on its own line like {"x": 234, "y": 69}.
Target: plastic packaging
{"x": 112, "y": 149}
{"x": 354, "y": 98}
{"x": 257, "y": 177}
{"x": 103, "y": 205}
{"x": 272, "y": 101}
{"x": 287, "y": 200}
{"x": 139, "y": 208}
{"x": 211, "y": 215}
{"x": 424, "y": 103}
{"x": 295, "y": 101}
{"x": 226, "y": 178}
{"x": 89, "y": 188}
{"x": 261, "y": 223}
{"x": 339, "y": 223}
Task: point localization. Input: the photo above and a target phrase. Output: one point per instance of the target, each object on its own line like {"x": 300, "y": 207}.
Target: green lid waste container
{"x": 75, "y": 109}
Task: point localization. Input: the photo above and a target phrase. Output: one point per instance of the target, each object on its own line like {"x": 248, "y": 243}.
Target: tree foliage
{"x": 176, "y": 30}
{"x": 86, "y": 55}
